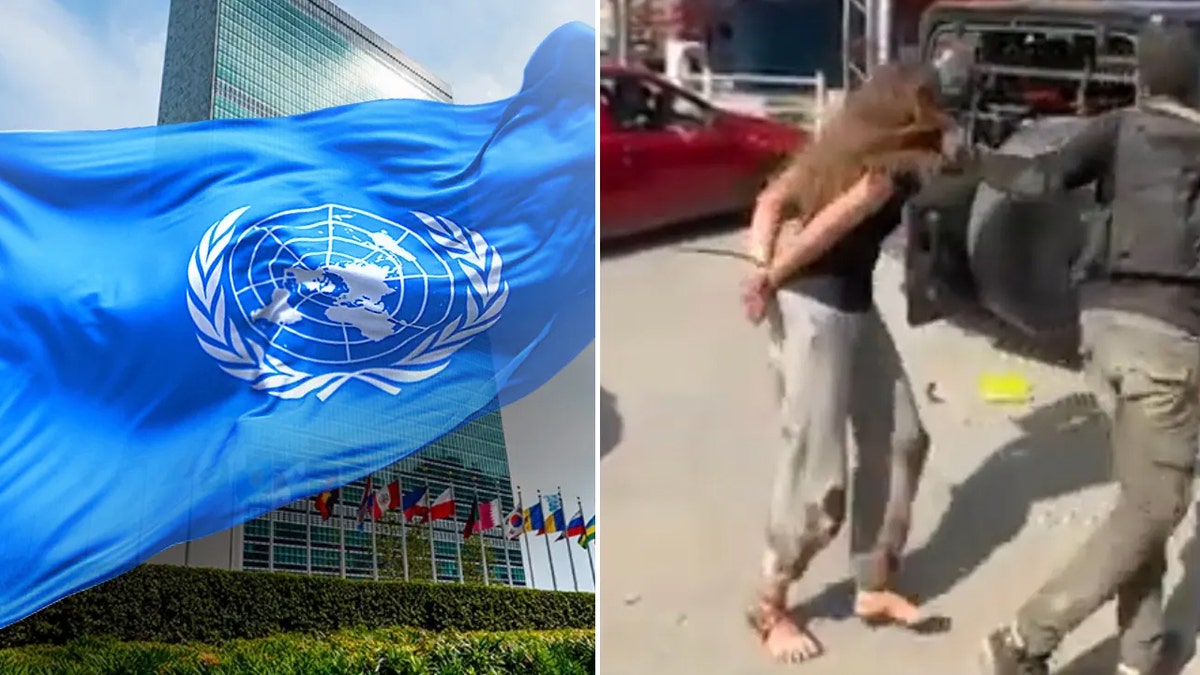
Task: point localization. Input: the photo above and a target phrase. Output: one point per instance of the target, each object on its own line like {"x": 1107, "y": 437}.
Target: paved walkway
{"x": 689, "y": 439}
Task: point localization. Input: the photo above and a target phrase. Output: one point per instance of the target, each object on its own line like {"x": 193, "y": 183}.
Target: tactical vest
{"x": 1151, "y": 228}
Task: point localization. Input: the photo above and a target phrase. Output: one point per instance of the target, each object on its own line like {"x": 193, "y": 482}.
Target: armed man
{"x": 1140, "y": 296}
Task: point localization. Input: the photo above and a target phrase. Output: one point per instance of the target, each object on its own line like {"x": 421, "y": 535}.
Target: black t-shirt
{"x": 843, "y": 278}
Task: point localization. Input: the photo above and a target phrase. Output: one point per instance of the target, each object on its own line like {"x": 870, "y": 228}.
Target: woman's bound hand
{"x": 758, "y": 250}
{"x": 757, "y": 293}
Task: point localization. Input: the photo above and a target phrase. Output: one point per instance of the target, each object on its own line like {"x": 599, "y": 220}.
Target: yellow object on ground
{"x": 1004, "y": 388}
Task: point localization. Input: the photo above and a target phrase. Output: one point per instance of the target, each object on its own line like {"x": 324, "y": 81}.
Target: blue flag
{"x": 205, "y": 322}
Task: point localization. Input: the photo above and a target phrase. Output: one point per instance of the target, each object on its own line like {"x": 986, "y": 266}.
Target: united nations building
{"x": 266, "y": 58}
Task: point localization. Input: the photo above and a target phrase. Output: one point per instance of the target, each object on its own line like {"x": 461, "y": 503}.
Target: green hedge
{"x": 380, "y": 652}
{"x": 169, "y": 604}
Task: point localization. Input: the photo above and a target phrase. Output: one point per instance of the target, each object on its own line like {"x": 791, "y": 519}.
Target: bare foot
{"x": 785, "y": 639}
{"x": 788, "y": 642}
{"x": 880, "y": 607}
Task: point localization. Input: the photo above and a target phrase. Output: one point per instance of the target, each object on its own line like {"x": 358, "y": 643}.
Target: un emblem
{"x": 307, "y": 300}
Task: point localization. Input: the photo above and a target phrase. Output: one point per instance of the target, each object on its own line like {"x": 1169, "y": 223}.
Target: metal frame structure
{"x": 866, "y": 35}
{"x": 866, "y": 38}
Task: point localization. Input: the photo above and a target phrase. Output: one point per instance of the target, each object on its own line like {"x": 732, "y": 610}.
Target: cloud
{"x": 71, "y": 64}
{"x": 479, "y": 47}
{"x": 63, "y": 70}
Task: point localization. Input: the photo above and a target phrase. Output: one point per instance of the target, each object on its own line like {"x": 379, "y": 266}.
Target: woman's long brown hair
{"x": 891, "y": 124}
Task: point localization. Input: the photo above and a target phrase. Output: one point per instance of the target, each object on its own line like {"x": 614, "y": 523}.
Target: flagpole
{"x": 504, "y": 541}
{"x": 549, "y": 556}
{"x": 270, "y": 541}
{"x": 341, "y": 534}
{"x": 567, "y": 541}
{"x": 524, "y": 539}
{"x": 482, "y": 540}
{"x": 187, "y": 544}
{"x": 529, "y": 558}
{"x": 507, "y": 558}
{"x": 374, "y": 547}
{"x": 308, "y": 511}
{"x": 483, "y": 549}
{"x": 432, "y": 550}
{"x": 458, "y": 536}
{"x": 483, "y": 557}
{"x": 403, "y": 527}
{"x": 588, "y": 548}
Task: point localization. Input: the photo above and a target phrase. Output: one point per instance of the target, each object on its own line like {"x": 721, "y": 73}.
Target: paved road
{"x": 689, "y": 439}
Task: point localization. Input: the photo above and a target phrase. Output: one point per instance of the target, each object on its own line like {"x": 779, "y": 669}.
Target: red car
{"x": 667, "y": 156}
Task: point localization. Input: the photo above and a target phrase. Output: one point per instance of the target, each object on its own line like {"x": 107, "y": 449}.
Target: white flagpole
{"x": 341, "y": 514}
{"x": 457, "y": 535}
{"x": 483, "y": 557}
{"x": 270, "y": 541}
{"x": 482, "y": 536}
{"x": 549, "y": 557}
{"x": 588, "y": 548}
{"x": 403, "y": 526}
{"x": 532, "y": 582}
{"x": 308, "y": 513}
{"x": 567, "y": 540}
{"x": 432, "y": 550}
{"x": 504, "y": 540}
{"x": 374, "y": 526}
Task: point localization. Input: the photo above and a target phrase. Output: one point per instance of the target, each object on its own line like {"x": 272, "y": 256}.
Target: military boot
{"x": 1004, "y": 654}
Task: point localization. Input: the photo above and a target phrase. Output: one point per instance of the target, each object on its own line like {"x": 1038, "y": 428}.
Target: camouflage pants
{"x": 1145, "y": 376}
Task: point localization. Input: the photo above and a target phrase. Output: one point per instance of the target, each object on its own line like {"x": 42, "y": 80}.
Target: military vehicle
{"x": 1020, "y": 76}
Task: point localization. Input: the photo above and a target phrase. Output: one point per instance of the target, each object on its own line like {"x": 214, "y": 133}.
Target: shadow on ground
{"x": 1061, "y": 450}
{"x": 1059, "y": 349}
{"x": 1182, "y": 617}
{"x": 1102, "y": 658}
{"x": 611, "y": 425}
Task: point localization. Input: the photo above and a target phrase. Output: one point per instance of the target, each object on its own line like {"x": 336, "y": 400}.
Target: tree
{"x": 473, "y": 572}
{"x": 392, "y": 550}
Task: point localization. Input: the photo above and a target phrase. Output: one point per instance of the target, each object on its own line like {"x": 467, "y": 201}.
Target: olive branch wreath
{"x": 248, "y": 361}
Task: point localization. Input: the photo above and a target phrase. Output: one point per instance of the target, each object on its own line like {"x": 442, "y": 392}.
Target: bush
{"x": 168, "y": 604}
{"x": 399, "y": 651}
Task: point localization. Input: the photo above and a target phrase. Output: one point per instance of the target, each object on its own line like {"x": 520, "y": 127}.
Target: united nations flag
{"x": 205, "y": 322}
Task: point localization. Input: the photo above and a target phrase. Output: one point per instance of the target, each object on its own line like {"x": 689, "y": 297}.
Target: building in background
{"x": 781, "y": 37}
{"x": 264, "y": 58}
{"x": 607, "y": 33}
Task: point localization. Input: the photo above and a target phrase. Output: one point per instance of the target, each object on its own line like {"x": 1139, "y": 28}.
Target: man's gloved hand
{"x": 960, "y": 155}
{"x": 1008, "y": 173}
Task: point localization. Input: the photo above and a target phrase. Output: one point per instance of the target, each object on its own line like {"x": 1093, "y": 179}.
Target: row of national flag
{"x": 485, "y": 515}
{"x": 550, "y": 520}
{"x": 375, "y": 502}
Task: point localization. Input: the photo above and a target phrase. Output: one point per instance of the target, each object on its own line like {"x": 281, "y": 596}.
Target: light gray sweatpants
{"x": 837, "y": 369}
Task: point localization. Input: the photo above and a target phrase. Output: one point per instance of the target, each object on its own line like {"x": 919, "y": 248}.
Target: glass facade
{"x": 263, "y": 58}
{"x": 473, "y": 460}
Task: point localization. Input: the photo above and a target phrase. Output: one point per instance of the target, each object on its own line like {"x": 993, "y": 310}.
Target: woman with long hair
{"x": 816, "y": 235}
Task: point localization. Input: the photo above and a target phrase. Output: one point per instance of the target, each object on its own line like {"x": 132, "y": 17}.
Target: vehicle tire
{"x": 1021, "y": 251}
{"x": 1043, "y": 135}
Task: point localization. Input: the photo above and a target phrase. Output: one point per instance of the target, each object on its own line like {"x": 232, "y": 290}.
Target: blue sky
{"x": 78, "y": 64}
{"x": 96, "y": 64}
